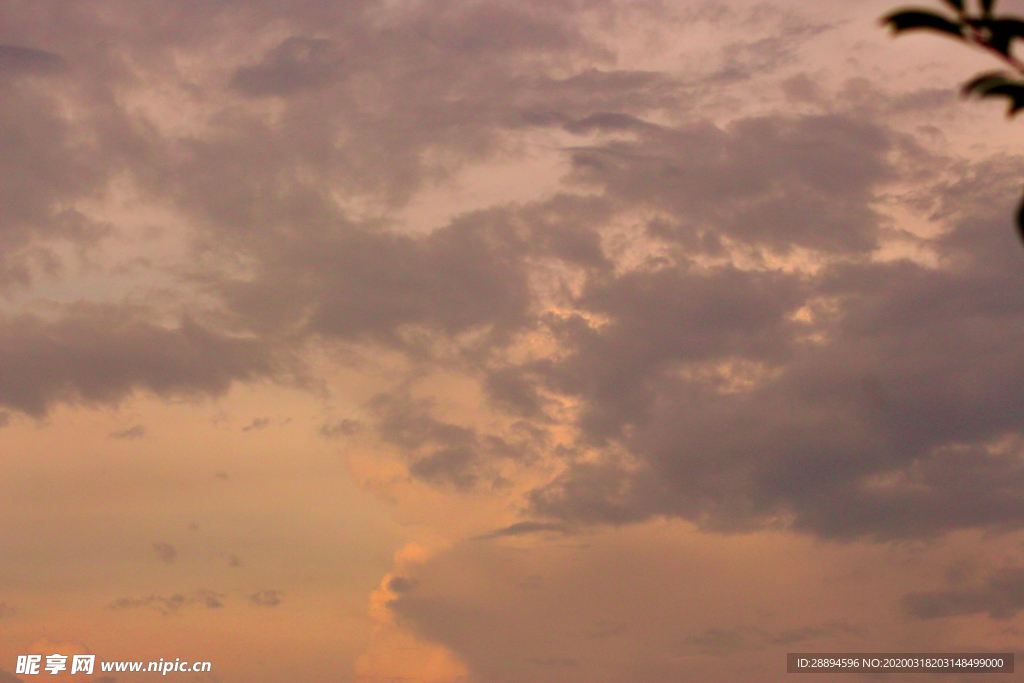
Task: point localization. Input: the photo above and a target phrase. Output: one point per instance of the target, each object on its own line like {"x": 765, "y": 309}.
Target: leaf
{"x": 1020, "y": 220}
{"x": 958, "y": 5}
{"x": 1003, "y": 31}
{"x": 996, "y": 84}
{"x": 1015, "y": 91}
{"x": 980, "y": 83}
{"x": 986, "y": 7}
{"x": 910, "y": 20}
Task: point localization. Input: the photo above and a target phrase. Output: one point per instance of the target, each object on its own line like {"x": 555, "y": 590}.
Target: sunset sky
{"x": 485, "y": 341}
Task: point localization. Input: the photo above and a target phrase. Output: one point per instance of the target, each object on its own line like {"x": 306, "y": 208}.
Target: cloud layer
{"x": 710, "y": 380}
{"x": 555, "y": 271}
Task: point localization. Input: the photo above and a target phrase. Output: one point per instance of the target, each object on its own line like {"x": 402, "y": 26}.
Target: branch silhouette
{"x": 983, "y": 30}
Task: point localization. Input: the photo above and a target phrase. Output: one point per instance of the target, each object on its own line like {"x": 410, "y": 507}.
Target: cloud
{"x": 266, "y": 598}
{"x": 701, "y": 304}
{"x": 6, "y": 610}
{"x": 372, "y": 285}
{"x": 17, "y": 59}
{"x": 165, "y": 552}
{"x": 440, "y": 452}
{"x": 554, "y": 662}
{"x": 719, "y": 642}
{"x": 401, "y": 584}
{"x": 256, "y": 424}
{"x": 446, "y": 465}
{"x": 295, "y": 64}
{"x": 1001, "y": 596}
{"x": 826, "y": 397}
{"x": 776, "y": 181}
{"x": 98, "y": 353}
{"x": 524, "y": 528}
{"x": 47, "y": 168}
{"x": 8, "y": 677}
{"x": 810, "y": 633}
{"x": 725, "y": 642}
{"x": 708, "y": 292}
{"x": 171, "y": 604}
{"x": 710, "y": 384}
{"x": 134, "y": 432}
{"x": 615, "y": 605}
{"x": 345, "y": 427}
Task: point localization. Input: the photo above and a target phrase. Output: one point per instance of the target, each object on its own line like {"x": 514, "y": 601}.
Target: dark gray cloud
{"x": 515, "y": 390}
{"x": 443, "y": 453}
{"x": 8, "y": 677}
{"x": 723, "y": 642}
{"x": 165, "y": 552}
{"x": 134, "y": 432}
{"x": 295, "y": 64}
{"x": 343, "y": 427}
{"x": 769, "y": 181}
{"x": 401, "y": 584}
{"x": 447, "y": 465}
{"x": 171, "y": 604}
{"x": 803, "y": 88}
{"x": 866, "y": 433}
{"x": 719, "y": 642}
{"x": 266, "y": 598}
{"x": 1001, "y": 596}
{"x": 49, "y": 164}
{"x": 101, "y": 353}
{"x": 747, "y": 59}
{"x": 611, "y": 607}
{"x": 257, "y": 424}
{"x": 554, "y": 662}
{"x": 372, "y": 285}
{"x": 457, "y": 625}
{"x": 524, "y": 528}
{"x": 876, "y": 417}
{"x": 498, "y": 643}
{"x": 18, "y": 59}
{"x": 832, "y": 629}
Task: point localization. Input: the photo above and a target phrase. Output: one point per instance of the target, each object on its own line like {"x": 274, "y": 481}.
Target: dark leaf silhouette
{"x": 996, "y": 84}
{"x": 1020, "y": 219}
{"x": 958, "y": 5}
{"x": 1000, "y": 32}
{"x": 911, "y": 20}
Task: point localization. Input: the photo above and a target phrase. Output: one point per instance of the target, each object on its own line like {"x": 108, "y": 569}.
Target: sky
{"x": 485, "y": 341}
